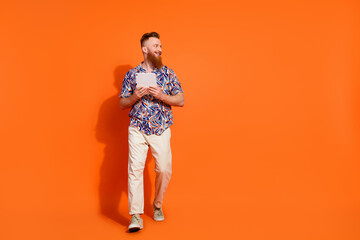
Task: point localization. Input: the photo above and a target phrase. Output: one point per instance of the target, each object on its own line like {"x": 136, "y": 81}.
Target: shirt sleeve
{"x": 175, "y": 85}
{"x": 126, "y": 89}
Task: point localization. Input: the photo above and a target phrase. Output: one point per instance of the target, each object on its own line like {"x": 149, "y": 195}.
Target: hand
{"x": 157, "y": 93}
{"x": 140, "y": 92}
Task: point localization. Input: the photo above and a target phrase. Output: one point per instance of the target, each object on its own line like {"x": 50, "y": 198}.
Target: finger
{"x": 141, "y": 94}
{"x": 143, "y": 88}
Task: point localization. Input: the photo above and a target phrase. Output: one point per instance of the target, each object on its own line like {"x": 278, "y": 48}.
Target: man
{"x": 151, "y": 118}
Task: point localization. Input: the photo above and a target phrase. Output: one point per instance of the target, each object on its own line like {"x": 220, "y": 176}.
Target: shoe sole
{"x": 134, "y": 229}
{"x": 159, "y": 219}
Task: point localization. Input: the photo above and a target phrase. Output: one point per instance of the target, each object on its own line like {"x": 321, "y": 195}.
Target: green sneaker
{"x": 158, "y": 214}
{"x": 136, "y": 223}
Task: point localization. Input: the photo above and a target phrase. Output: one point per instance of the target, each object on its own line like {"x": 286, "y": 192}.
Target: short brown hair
{"x": 146, "y": 36}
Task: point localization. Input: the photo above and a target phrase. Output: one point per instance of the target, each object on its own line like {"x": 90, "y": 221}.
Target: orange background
{"x": 266, "y": 147}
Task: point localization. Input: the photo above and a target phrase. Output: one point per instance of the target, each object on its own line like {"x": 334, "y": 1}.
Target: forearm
{"x": 175, "y": 100}
{"x": 172, "y": 100}
{"x": 128, "y": 102}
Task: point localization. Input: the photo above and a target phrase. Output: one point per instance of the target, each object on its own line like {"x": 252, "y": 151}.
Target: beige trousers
{"x": 138, "y": 147}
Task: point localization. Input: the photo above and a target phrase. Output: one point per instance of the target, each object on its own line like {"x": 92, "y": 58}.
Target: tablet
{"x": 146, "y": 80}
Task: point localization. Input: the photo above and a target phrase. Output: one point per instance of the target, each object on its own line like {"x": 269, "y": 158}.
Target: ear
{"x": 144, "y": 49}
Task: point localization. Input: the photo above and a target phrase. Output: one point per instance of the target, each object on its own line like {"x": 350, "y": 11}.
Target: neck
{"x": 148, "y": 66}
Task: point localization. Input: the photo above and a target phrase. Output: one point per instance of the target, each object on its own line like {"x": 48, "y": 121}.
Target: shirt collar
{"x": 154, "y": 71}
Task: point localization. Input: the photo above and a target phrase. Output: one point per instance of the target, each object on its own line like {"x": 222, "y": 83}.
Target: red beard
{"x": 155, "y": 60}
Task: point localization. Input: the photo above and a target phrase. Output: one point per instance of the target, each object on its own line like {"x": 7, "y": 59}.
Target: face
{"x": 153, "y": 45}
{"x": 152, "y": 51}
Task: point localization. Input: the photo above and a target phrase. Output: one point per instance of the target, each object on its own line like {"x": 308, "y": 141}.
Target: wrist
{"x": 163, "y": 97}
{"x": 135, "y": 97}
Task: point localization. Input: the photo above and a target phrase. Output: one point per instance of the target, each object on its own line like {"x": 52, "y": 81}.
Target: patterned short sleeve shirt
{"x": 148, "y": 114}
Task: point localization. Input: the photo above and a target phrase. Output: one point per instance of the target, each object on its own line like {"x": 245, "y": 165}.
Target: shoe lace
{"x": 135, "y": 218}
{"x": 158, "y": 212}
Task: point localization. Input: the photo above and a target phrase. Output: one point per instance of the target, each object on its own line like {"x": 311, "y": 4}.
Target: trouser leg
{"x": 138, "y": 148}
{"x": 161, "y": 151}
